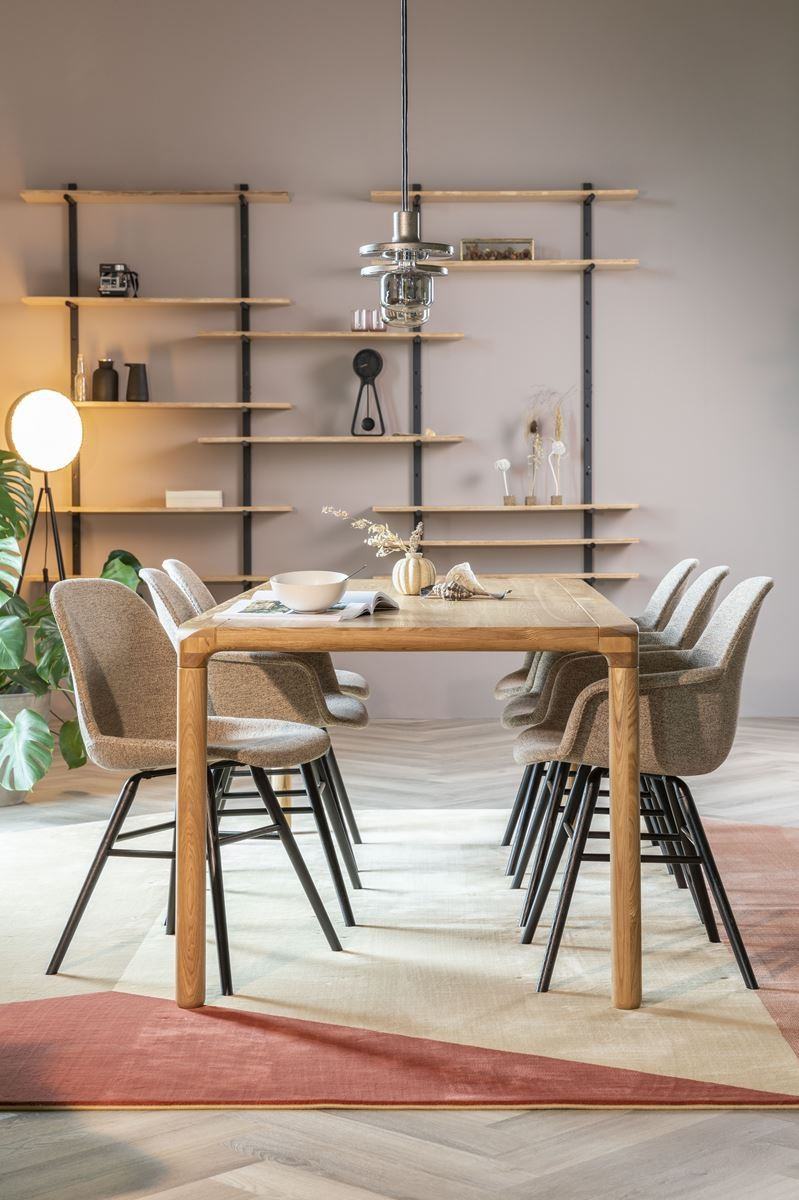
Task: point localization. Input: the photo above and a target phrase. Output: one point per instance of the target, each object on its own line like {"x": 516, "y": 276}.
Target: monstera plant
{"x": 33, "y": 661}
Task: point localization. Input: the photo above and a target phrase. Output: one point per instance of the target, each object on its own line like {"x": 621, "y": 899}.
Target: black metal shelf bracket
{"x": 245, "y": 393}
{"x": 586, "y": 313}
{"x": 73, "y": 288}
{"x": 416, "y": 392}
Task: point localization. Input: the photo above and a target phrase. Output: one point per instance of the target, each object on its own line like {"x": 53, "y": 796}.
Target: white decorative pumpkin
{"x": 412, "y": 573}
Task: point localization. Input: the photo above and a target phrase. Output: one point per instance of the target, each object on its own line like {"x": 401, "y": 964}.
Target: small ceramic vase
{"x": 412, "y": 573}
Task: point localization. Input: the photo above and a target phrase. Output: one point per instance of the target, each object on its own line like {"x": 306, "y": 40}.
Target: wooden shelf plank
{"x": 156, "y": 301}
{"x": 97, "y": 196}
{"x": 543, "y": 543}
{"x": 339, "y": 334}
{"x": 131, "y": 406}
{"x": 154, "y": 510}
{"x": 543, "y": 265}
{"x": 396, "y": 439}
{"x": 506, "y": 195}
{"x": 502, "y": 508}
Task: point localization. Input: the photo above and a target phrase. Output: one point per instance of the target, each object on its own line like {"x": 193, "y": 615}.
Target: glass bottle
{"x": 79, "y": 382}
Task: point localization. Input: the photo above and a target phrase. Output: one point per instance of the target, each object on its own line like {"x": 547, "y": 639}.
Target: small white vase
{"x": 412, "y": 573}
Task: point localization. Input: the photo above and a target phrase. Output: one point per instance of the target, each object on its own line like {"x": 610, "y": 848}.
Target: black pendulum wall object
{"x": 74, "y": 345}
{"x": 246, "y": 381}
{"x": 367, "y": 365}
{"x": 587, "y": 383}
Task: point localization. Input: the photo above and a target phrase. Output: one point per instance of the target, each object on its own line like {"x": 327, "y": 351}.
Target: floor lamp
{"x": 44, "y": 429}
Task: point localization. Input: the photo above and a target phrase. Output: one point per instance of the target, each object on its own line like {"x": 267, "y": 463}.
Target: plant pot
{"x": 11, "y": 704}
{"x": 412, "y": 573}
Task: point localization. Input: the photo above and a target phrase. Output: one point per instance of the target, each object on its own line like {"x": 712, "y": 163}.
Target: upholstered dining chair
{"x": 688, "y": 716}
{"x": 687, "y": 621}
{"x": 123, "y": 667}
{"x": 331, "y": 680}
{"x": 656, "y": 614}
{"x": 202, "y": 599}
{"x": 266, "y": 685}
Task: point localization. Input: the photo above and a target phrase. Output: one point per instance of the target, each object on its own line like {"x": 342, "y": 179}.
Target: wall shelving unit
{"x": 585, "y": 197}
{"x": 72, "y": 198}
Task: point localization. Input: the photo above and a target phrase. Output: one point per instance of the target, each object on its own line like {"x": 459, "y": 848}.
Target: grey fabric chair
{"x": 688, "y": 716}
{"x": 270, "y": 685}
{"x": 201, "y": 599}
{"x": 330, "y": 680}
{"x": 123, "y": 667}
{"x": 686, "y": 623}
{"x": 656, "y": 614}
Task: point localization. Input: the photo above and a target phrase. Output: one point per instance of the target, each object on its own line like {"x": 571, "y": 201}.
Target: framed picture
{"x": 497, "y": 249}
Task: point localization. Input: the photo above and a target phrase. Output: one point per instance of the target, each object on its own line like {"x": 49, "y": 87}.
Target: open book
{"x": 262, "y": 609}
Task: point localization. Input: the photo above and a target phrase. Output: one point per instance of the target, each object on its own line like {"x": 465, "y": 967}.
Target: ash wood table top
{"x": 541, "y": 613}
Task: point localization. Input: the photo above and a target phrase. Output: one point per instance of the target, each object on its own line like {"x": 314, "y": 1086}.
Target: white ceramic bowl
{"x": 309, "y": 591}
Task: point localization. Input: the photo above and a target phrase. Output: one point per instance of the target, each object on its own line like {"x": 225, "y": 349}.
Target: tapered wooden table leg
{"x": 191, "y": 835}
{"x": 625, "y": 845}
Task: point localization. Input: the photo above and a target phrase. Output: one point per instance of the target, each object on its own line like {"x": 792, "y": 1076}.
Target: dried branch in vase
{"x": 383, "y": 540}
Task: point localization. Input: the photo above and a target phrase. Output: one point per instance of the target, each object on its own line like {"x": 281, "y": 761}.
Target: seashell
{"x": 463, "y": 574}
{"x": 451, "y": 591}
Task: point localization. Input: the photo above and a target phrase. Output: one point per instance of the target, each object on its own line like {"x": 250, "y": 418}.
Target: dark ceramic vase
{"x": 105, "y": 381}
{"x": 138, "y": 389}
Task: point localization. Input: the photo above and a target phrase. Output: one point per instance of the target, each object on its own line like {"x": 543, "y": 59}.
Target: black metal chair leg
{"x": 120, "y": 812}
{"x": 693, "y": 874}
{"x": 344, "y": 800}
{"x": 581, "y": 831}
{"x": 535, "y": 900}
{"x": 531, "y": 799}
{"x": 668, "y": 824}
{"x": 170, "y": 896}
{"x": 218, "y": 889}
{"x": 518, "y": 804}
{"x": 330, "y": 800}
{"x": 295, "y": 858}
{"x": 315, "y": 800}
{"x": 542, "y": 825}
{"x": 698, "y": 836}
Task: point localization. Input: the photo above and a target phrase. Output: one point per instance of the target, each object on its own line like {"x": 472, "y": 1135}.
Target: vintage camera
{"x": 117, "y": 279}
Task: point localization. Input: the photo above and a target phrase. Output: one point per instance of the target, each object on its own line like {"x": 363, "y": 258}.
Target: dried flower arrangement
{"x": 534, "y": 459}
{"x": 557, "y": 452}
{"x": 383, "y": 540}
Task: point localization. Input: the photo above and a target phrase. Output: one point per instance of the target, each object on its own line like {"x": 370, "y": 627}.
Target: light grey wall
{"x": 693, "y": 101}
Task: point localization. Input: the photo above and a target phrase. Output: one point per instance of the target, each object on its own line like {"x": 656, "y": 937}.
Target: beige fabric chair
{"x": 688, "y": 717}
{"x": 655, "y": 617}
{"x": 266, "y": 684}
{"x": 123, "y": 667}
{"x": 201, "y": 599}
{"x": 687, "y": 621}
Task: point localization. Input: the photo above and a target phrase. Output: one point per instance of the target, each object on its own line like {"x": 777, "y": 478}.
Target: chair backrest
{"x": 693, "y": 609}
{"x": 172, "y": 605}
{"x": 122, "y": 663}
{"x": 190, "y": 584}
{"x": 662, "y": 602}
{"x": 725, "y": 641}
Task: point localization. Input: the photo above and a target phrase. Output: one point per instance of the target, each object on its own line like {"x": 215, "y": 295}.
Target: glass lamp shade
{"x": 406, "y": 296}
{"x": 406, "y": 271}
{"x": 44, "y": 428}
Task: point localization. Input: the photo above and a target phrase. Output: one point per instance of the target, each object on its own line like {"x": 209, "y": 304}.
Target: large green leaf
{"x": 24, "y": 679}
{"x": 10, "y": 564}
{"x": 123, "y": 567}
{"x": 51, "y": 656}
{"x": 16, "y": 496}
{"x": 13, "y": 643}
{"x": 70, "y": 741}
{"x": 14, "y": 606}
{"x": 26, "y": 750}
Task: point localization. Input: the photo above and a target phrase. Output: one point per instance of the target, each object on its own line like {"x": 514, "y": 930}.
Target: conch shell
{"x": 461, "y": 583}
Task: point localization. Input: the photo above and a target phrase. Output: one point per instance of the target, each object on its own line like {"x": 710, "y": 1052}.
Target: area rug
{"x": 432, "y": 1003}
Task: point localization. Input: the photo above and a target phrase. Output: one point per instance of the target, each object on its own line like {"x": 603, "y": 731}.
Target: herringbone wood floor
{"x": 356, "y": 1155}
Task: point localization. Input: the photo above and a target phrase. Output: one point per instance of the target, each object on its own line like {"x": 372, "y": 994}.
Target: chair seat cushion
{"x": 345, "y": 710}
{"x": 267, "y": 744}
{"x": 513, "y": 684}
{"x": 352, "y": 683}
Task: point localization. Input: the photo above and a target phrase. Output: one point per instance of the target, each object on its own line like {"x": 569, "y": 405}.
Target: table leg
{"x": 191, "y": 836}
{"x": 625, "y": 845}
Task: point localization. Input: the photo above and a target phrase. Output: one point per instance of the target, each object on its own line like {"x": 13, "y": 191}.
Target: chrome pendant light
{"x": 405, "y": 270}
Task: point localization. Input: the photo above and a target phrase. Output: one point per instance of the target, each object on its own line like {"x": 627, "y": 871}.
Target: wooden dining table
{"x": 539, "y": 613}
